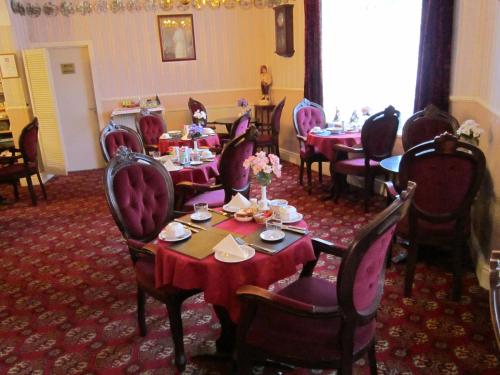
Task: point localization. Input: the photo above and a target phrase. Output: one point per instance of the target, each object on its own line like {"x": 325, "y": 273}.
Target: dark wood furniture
{"x": 448, "y": 174}
{"x": 378, "y": 136}
{"x": 270, "y": 139}
{"x": 316, "y": 323}
{"x": 426, "y": 124}
{"x": 283, "y": 23}
{"x": 13, "y": 169}
{"x": 263, "y": 114}
{"x": 113, "y": 136}
{"x": 150, "y": 126}
{"x": 141, "y": 210}
{"x": 195, "y": 105}
{"x": 307, "y": 115}
{"x": 495, "y": 293}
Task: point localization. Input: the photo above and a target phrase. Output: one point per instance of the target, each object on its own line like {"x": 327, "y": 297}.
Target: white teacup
{"x": 316, "y": 129}
{"x": 174, "y": 229}
{"x": 165, "y": 136}
{"x": 276, "y": 205}
{"x": 208, "y": 131}
{"x": 206, "y": 154}
{"x": 287, "y": 212}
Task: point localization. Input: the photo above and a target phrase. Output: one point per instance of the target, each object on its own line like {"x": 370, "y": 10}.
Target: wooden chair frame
{"x": 146, "y": 112}
{"x": 111, "y": 128}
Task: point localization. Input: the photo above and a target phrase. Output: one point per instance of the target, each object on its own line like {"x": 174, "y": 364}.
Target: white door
{"x": 73, "y": 87}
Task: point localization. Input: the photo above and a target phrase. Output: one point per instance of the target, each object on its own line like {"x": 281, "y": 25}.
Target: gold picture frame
{"x": 177, "y": 37}
{"x": 8, "y": 66}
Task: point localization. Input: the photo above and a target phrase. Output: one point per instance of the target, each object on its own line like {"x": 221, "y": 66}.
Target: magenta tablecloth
{"x": 165, "y": 144}
{"x": 324, "y": 144}
{"x": 219, "y": 281}
{"x": 200, "y": 174}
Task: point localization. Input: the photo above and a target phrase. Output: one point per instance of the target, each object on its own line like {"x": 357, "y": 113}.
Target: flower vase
{"x": 264, "y": 202}
{"x": 195, "y": 145}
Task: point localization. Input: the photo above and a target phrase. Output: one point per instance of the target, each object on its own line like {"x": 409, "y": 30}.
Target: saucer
{"x": 272, "y": 235}
{"x": 228, "y": 258}
{"x": 175, "y": 168}
{"x": 164, "y": 237}
{"x": 231, "y": 209}
{"x": 196, "y": 163}
{"x": 197, "y": 217}
{"x": 293, "y": 219}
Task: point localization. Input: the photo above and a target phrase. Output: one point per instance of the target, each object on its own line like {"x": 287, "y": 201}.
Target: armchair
{"x": 13, "y": 169}
{"x": 140, "y": 211}
{"x": 495, "y": 293}
{"x": 271, "y": 141}
{"x": 113, "y": 136}
{"x": 307, "y": 115}
{"x": 315, "y": 323}
{"x": 150, "y": 126}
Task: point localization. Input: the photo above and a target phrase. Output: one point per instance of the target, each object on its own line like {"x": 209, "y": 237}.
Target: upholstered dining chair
{"x": 271, "y": 140}
{"x": 12, "y": 169}
{"x": 378, "y": 136}
{"x": 150, "y": 126}
{"x": 426, "y": 124}
{"x": 448, "y": 174}
{"x": 316, "y": 323}
{"x": 140, "y": 195}
{"x": 233, "y": 177}
{"x": 114, "y": 136}
{"x": 495, "y": 293}
{"x": 307, "y": 115}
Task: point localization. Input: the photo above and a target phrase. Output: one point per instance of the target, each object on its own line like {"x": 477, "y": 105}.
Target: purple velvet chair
{"x": 495, "y": 293}
{"x": 377, "y": 138}
{"x": 426, "y": 124}
{"x": 448, "y": 174}
{"x": 114, "y": 136}
{"x": 307, "y": 115}
{"x": 233, "y": 178}
{"x": 271, "y": 141}
{"x": 140, "y": 196}
{"x": 13, "y": 170}
{"x": 150, "y": 126}
{"x": 315, "y": 323}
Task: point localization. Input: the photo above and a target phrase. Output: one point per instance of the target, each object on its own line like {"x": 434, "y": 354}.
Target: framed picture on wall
{"x": 8, "y": 67}
{"x": 177, "y": 37}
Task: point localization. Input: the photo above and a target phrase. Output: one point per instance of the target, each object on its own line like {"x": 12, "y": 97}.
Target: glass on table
{"x": 195, "y": 156}
{"x": 200, "y": 209}
{"x": 274, "y": 223}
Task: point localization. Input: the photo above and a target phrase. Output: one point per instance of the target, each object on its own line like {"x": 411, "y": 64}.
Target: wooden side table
{"x": 263, "y": 116}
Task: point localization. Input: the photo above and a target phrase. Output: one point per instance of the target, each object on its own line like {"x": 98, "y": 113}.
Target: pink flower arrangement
{"x": 264, "y": 166}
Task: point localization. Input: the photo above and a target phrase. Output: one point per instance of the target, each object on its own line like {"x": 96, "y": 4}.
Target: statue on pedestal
{"x": 265, "y": 85}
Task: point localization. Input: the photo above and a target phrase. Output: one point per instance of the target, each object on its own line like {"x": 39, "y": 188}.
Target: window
{"x": 370, "y": 55}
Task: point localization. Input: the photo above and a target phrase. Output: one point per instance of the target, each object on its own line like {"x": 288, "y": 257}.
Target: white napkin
{"x": 229, "y": 245}
{"x": 239, "y": 201}
{"x": 169, "y": 165}
{"x": 165, "y": 136}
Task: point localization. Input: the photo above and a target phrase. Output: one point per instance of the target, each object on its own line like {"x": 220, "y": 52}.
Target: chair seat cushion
{"x": 15, "y": 171}
{"x": 213, "y": 198}
{"x": 354, "y": 166}
{"x": 314, "y": 340}
{"x": 264, "y": 139}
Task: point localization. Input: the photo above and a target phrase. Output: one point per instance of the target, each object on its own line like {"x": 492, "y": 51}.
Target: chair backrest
{"x": 150, "y": 126}
{"x": 360, "y": 280}
{"x": 195, "y": 105}
{"x": 276, "y": 117}
{"x": 233, "y": 176}
{"x": 114, "y": 136}
{"x": 307, "y": 115}
{"x": 28, "y": 142}
{"x": 240, "y": 126}
{"x": 448, "y": 173}
{"x": 378, "y": 134}
{"x": 495, "y": 293}
{"x": 140, "y": 194}
{"x": 426, "y": 124}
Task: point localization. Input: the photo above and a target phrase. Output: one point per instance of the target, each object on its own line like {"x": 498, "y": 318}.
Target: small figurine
{"x": 354, "y": 117}
{"x": 336, "y": 118}
{"x": 265, "y": 85}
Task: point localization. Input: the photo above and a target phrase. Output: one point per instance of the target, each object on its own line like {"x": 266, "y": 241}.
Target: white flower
{"x": 470, "y": 128}
{"x": 200, "y": 115}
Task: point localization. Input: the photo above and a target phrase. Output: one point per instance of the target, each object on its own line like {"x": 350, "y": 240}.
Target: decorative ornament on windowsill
{"x": 469, "y": 131}
{"x": 244, "y": 107}
{"x": 263, "y": 167}
{"x": 195, "y": 132}
{"x": 200, "y": 117}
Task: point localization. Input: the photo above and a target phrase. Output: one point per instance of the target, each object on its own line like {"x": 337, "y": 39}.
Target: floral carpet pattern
{"x": 68, "y": 300}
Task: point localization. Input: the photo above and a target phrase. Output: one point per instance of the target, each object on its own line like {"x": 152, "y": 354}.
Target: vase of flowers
{"x": 200, "y": 117}
{"x": 263, "y": 167}
{"x": 195, "y": 132}
{"x": 244, "y": 108}
{"x": 470, "y": 132}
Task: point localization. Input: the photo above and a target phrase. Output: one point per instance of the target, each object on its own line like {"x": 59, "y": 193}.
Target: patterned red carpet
{"x": 67, "y": 295}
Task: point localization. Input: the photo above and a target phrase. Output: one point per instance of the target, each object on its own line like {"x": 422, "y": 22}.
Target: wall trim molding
{"x": 289, "y": 89}
{"x": 477, "y": 100}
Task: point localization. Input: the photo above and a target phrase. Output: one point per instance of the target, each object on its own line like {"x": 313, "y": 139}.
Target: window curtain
{"x": 313, "y": 81}
{"x": 434, "y": 61}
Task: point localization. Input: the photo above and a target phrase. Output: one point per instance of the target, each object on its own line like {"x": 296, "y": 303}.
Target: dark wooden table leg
{"x": 227, "y": 340}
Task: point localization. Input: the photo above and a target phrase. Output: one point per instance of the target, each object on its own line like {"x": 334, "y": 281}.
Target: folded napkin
{"x": 165, "y": 136}
{"x": 239, "y": 201}
{"x": 228, "y": 245}
{"x": 169, "y": 165}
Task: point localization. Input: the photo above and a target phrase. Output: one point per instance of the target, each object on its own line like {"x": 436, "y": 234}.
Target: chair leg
{"x": 32, "y": 190}
{"x": 309, "y": 176}
{"x": 372, "y": 359}
{"x": 277, "y": 149}
{"x": 367, "y": 192}
{"x": 244, "y": 366}
{"x": 411, "y": 263}
{"x": 457, "y": 271}
{"x": 340, "y": 180}
{"x": 174, "y": 315}
{"x": 141, "y": 312}
{"x": 301, "y": 172}
{"x": 42, "y": 185}
{"x": 320, "y": 170}
{"x": 15, "y": 186}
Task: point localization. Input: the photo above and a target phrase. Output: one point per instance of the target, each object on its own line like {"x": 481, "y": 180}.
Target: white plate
{"x": 163, "y": 236}
{"x": 196, "y": 216}
{"x": 175, "y": 168}
{"x": 272, "y": 235}
{"x": 196, "y": 163}
{"x": 231, "y": 209}
{"x": 209, "y": 160}
{"x": 228, "y": 258}
{"x": 293, "y": 219}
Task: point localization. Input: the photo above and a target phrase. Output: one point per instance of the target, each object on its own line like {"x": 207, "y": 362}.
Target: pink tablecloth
{"x": 219, "y": 281}
{"x": 165, "y": 144}
{"x": 201, "y": 174}
{"x": 324, "y": 144}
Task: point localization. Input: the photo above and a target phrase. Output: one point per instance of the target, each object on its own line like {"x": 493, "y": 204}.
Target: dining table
{"x": 164, "y": 145}
{"x": 191, "y": 264}
{"x": 201, "y": 174}
{"x": 323, "y": 142}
